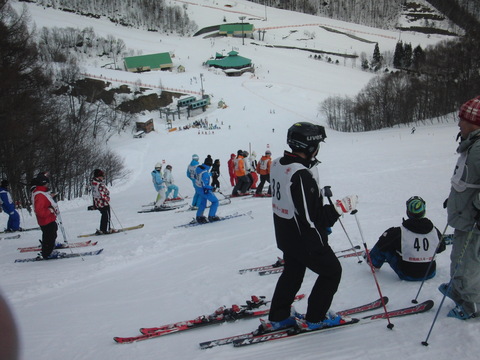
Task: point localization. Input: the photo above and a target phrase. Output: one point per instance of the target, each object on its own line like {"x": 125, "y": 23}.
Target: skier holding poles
{"x": 301, "y": 223}
{"x": 101, "y": 201}
{"x": 46, "y": 210}
{"x": 204, "y": 191}
{"x": 192, "y": 166}
{"x": 463, "y": 208}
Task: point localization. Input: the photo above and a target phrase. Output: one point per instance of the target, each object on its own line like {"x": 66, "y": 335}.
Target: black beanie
{"x": 208, "y": 161}
{"x": 98, "y": 172}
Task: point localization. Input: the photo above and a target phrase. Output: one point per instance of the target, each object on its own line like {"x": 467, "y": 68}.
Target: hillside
{"x": 72, "y": 308}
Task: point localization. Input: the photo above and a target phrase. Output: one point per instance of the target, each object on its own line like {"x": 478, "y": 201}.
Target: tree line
{"x": 435, "y": 85}
{"x": 378, "y": 13}
{"x": 153, "y": 15}
{"x": 42, "y": 130}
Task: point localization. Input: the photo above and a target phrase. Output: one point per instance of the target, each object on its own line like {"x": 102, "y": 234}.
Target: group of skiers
{"x": 47, "y": 212}
{"x": 164, "y": 184}
{"x": 302, "y": 223}
{"x": 244, "y": 169}
{"x": 302, "y": 220}
{"x": 242, "y": 174}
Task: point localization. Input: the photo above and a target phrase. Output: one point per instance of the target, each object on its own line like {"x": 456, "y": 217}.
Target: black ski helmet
{"x": 305, "y": 137}
{"x": 416, "y": 207}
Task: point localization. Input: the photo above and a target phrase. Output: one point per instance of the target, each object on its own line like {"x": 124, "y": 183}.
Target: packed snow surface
{"x": 72, "y": 308}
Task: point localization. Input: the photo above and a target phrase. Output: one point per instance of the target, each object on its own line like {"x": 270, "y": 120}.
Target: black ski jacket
{"x": 391, "y": 240}
{"x": 296, "y": 235}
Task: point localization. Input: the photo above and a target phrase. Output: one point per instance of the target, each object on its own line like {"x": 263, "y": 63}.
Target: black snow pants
{"x": 49, "y": 236}
{"x": 329, "y": 271}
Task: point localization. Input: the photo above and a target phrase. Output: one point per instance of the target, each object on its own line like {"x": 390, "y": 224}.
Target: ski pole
{"x": 60, "y": 223}
{"x": 369, "y": 260}
{"x": 62, "y": 228}
{"x": 23, "y": 217}
{"x": 225, "y": 180}
{"x": 457, "y": 265}
{"x": 328, "y": 193}
{"x": 59, "y": 219}
{"x": 430, "y": 265}
{"x": 221, "y": 193}
{"x": 116, "y": 217}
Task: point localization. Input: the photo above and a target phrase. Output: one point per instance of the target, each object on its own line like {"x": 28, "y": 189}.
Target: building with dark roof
{"x": 232, "y": 65}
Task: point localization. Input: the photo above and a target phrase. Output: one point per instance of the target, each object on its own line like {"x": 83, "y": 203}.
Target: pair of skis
{"x": 139, "y": 226}
{"x": 60, "y": 246}
{"x": 169, "y": 200}
{"x": 220, "y": 316}
{"x": 10, "y": 237}
{"x": 61, "y": 255}
{"x": 235, "y": 313}
{"x": 221, "y": 202}
{"x": 163, "y": 208}
{"x": 277, "y": 267}
{"x": 28, "y": 229}
{"x": 222, "y": 218}
{"x": 256, "y": 338}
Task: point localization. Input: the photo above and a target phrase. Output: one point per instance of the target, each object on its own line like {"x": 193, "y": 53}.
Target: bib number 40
{"x": 423, "y": 244}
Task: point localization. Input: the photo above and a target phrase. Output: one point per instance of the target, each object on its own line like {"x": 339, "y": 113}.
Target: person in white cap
{"x": 159, "y": 184}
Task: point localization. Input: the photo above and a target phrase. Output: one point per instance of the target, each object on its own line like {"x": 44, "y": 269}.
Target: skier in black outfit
{"x": 409, "y": 248}
{"x": 301, "y": 223}
{"x": 215, "y": 171}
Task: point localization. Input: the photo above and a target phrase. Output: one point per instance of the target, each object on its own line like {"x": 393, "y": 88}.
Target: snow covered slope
{"x": 72, "y": 308}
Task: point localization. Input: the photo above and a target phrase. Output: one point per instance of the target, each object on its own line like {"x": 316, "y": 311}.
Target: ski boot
{"x": 460, "y": 313}
{"x": 331, "y": 319}
{"x": 201, "y": 219}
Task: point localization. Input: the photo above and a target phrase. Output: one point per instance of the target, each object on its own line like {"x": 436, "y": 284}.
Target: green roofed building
{"x": 236, "y": 29}
{"x": 160, "y": 61}
{"x": 231, "y": 62}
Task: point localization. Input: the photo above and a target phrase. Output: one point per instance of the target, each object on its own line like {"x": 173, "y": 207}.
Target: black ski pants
{"x": 49, "y": 236}
{"x": 263, "y": 179}
{"x": 105, "y": 219}
{"x": 243, "y": 183}
{"x": 329, "y": 271}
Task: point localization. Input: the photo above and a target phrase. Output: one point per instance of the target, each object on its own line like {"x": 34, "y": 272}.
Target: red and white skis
{"x": 62, "y": 246}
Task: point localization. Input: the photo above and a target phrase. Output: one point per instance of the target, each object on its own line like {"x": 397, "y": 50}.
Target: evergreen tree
{"x": 365, "y": 64}
{"x": 418, "y": 57}
{"x": 377, "y": 58}
{"x": 407, "y": 56}
{"x": 398, "y": 55}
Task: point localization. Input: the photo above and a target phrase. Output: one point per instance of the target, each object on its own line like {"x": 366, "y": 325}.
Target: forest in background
{"x": 63, "y": 133}
{"x": 152, "y": 15}
{"x": 58, "y": 124}
{"x": 380, "y": 13}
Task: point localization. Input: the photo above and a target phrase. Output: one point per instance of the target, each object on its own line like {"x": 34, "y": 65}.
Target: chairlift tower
{"x": 243, "y": 34}
{"x": 201, "y": 84}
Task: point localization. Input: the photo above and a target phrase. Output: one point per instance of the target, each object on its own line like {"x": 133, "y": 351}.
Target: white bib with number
{"x": 281, "y": 180}
{"x": 418, "y": 248}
